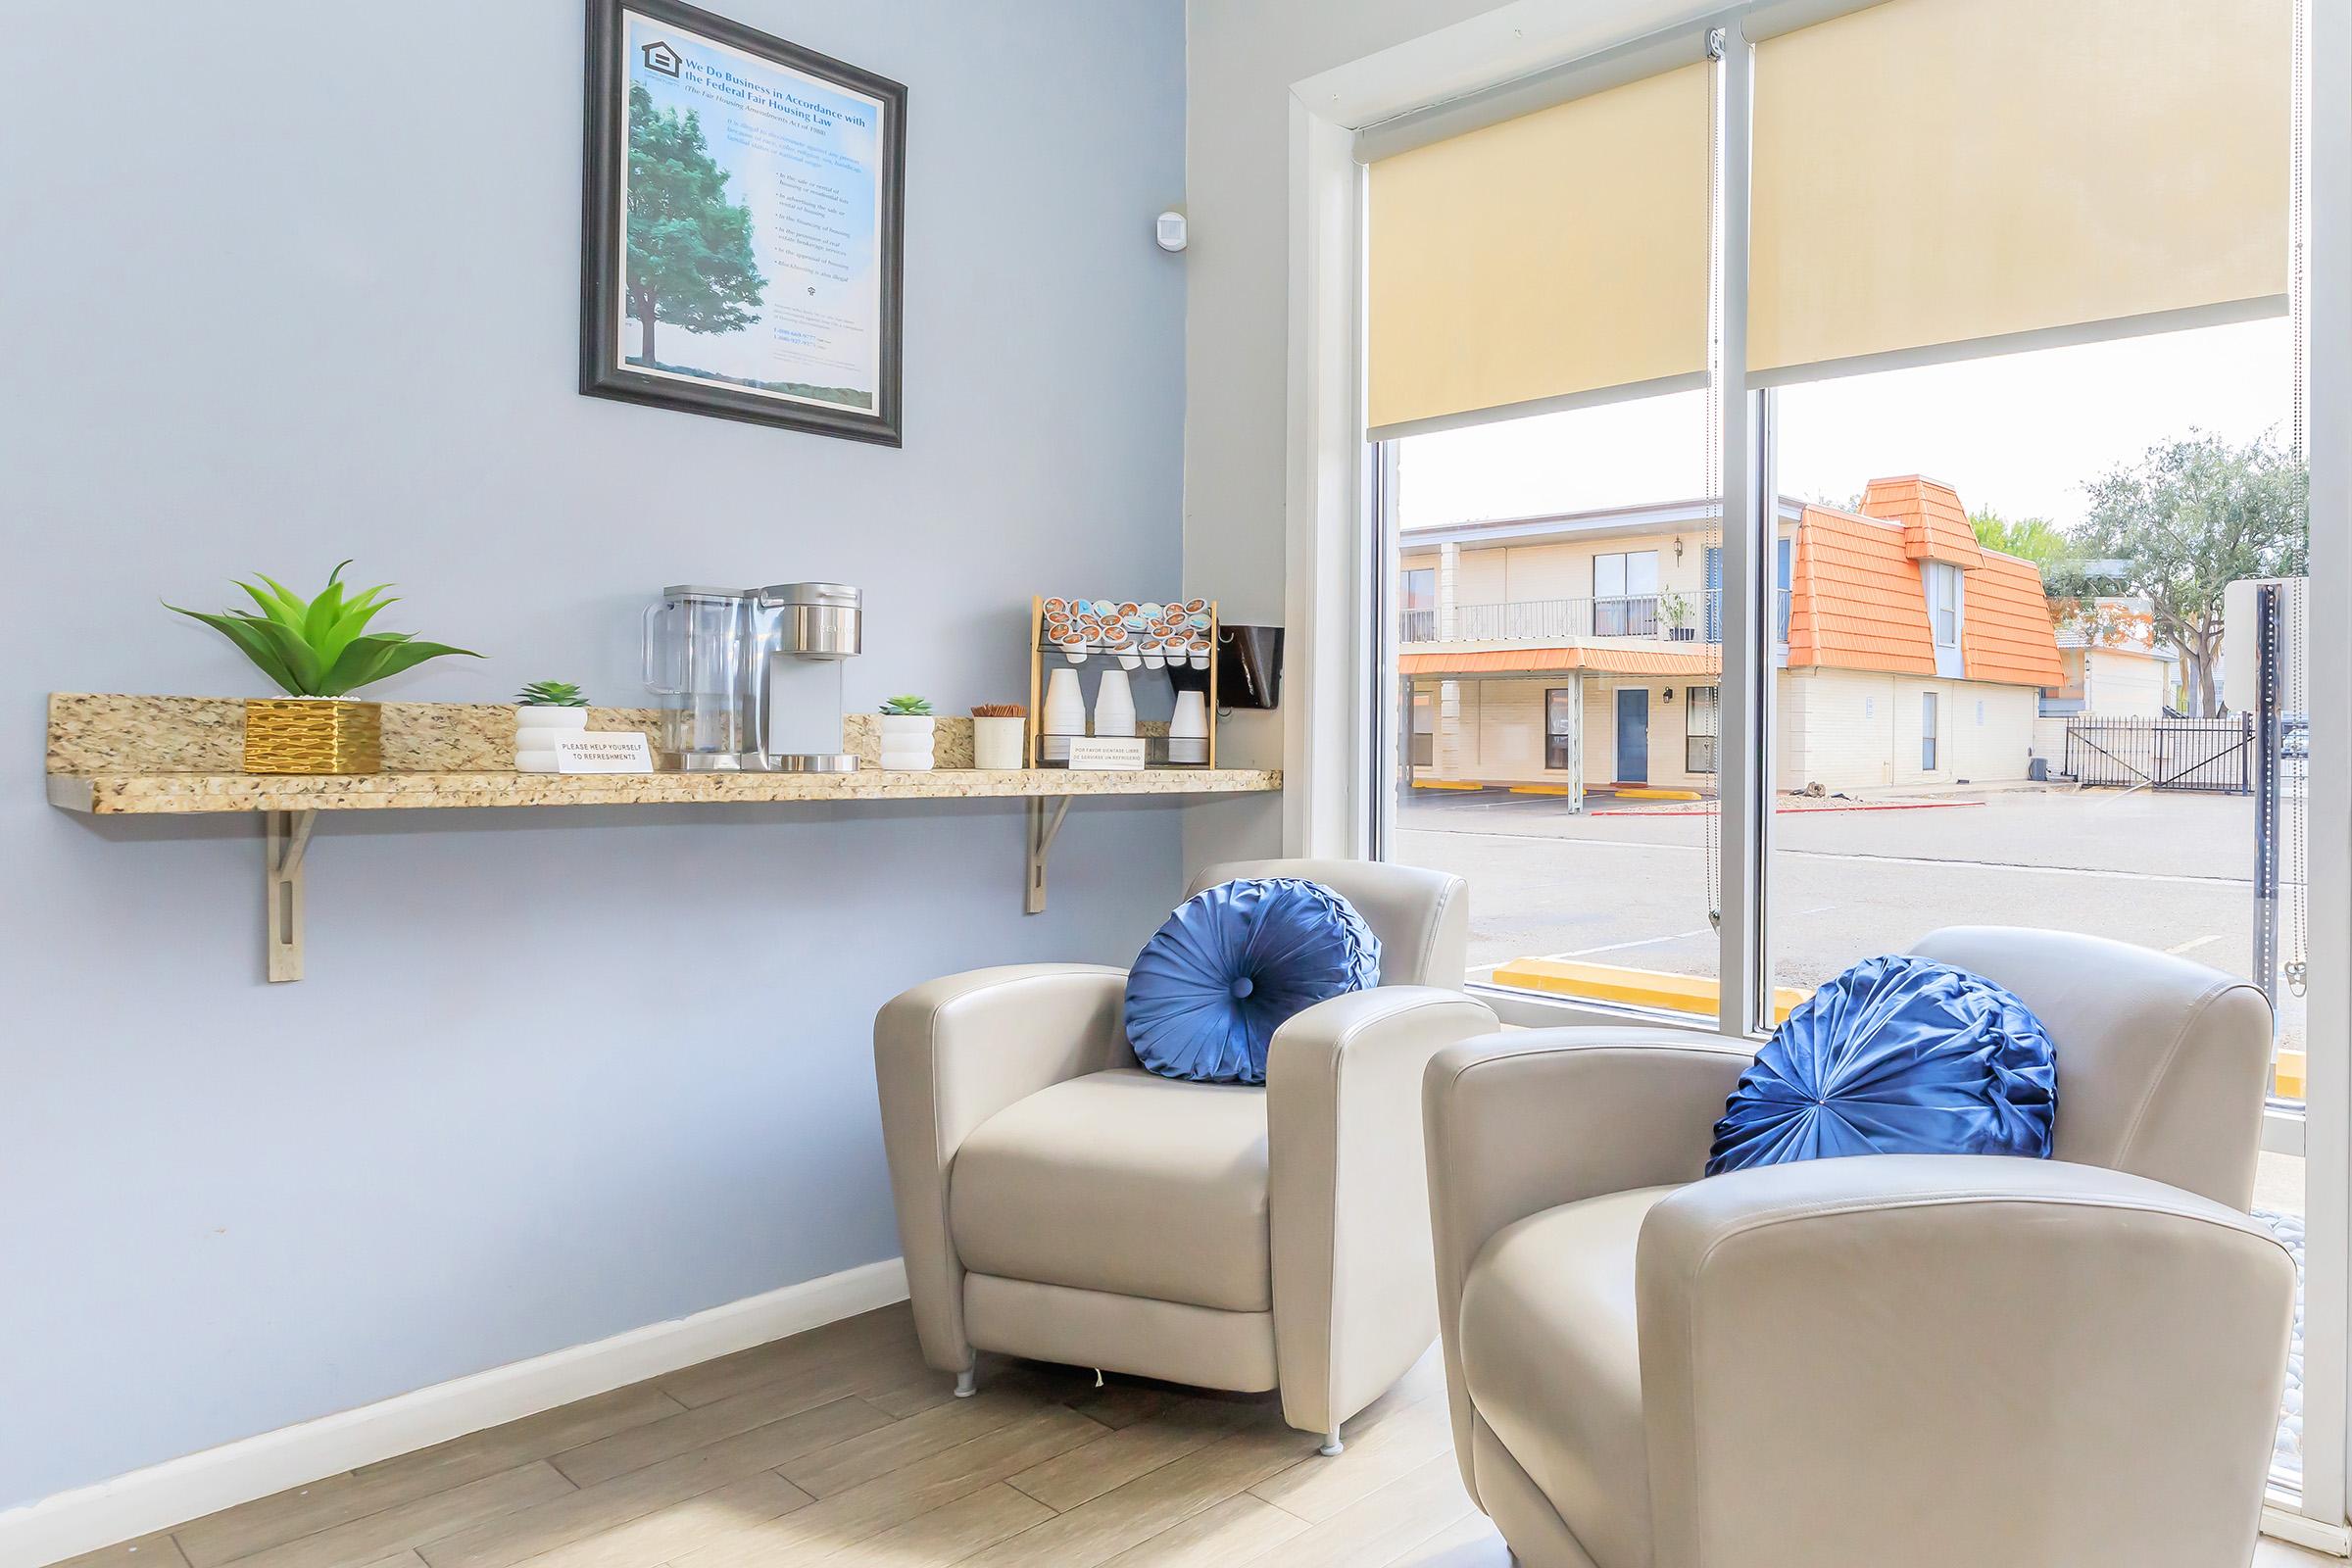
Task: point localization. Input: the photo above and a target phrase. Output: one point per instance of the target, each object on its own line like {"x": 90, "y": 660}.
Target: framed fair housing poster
{"x": 740, "y": 232}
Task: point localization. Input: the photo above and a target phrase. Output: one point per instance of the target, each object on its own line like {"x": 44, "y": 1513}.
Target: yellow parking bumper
{"x": 1630, "y": 988}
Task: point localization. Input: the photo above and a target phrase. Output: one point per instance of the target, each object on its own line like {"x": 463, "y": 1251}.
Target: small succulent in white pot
{"x": 544, "y": 709}
{"x": 909, "y": 730}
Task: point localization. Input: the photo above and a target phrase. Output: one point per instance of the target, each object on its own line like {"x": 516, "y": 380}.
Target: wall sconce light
{"x": 1678, "y": 548}
{"x": 1666, "y": 696}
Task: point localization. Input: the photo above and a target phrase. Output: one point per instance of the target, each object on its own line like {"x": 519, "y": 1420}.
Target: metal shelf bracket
{"x": 285, "y": 835}
{"x": 1044, "y": 821}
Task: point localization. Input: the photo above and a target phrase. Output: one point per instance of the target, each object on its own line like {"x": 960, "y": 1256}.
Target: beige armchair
{"x": 1058, "y": 1203}
{"x": 1939, "y": 1361}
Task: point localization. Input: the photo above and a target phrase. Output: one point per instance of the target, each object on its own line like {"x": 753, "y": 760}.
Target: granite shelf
{"x": 116, "y": 755}
{"x": 173, "y": 794}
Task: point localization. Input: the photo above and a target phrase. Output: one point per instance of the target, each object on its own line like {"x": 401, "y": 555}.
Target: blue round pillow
{"x": 1897, "y": 1055}
{"x": 1232, "y": 965}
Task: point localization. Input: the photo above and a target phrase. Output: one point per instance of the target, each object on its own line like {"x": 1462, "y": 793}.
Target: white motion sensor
{"x": 1168, "y": 231}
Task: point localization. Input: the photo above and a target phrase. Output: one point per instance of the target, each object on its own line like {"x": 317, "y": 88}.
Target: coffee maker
{"x": 749, "y": 678}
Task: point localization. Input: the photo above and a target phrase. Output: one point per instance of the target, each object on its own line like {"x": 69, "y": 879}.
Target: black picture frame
{"x": 605, "y": 368}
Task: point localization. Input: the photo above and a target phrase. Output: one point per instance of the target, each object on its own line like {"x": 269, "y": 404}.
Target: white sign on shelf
{"x": 1106, "y": 754}
{"x": 603, "y": 752}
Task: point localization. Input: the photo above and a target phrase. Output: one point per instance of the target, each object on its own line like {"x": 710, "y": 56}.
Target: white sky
{"x": 2022, "y": 433}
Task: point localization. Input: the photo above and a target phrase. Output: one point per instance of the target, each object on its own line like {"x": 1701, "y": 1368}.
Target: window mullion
{"x": 1745, "y": 774}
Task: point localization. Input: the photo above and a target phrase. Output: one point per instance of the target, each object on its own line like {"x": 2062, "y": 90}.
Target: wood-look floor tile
{"x": 158, "y": 1551}
{"x": 1135, "y": 1451}
{"x": 1392, "y": 1448}
{"x": 393, "y": 1530}
{"x": 1471, "y": 1542}
{"x": 889, "y": 1328}
{"x": 885, "y": 1448}
{"x": 1224, "y": 1532}
{"x": 1382, "y": 1525}
{"x": 707, "y": 1423}
{"x": 881, "y": 1504}
{"x": 305, "y": 1510}
{"x": 950, "y": 1533}
{"x": 918, "y": 1386}
{"x": 527, "y": 1533}
{"x": 653, "y": 1539}
{"x": 1122, "y": 1403}
{"x": 536, "y": 1436}
{"x": 1102, "y": 1528}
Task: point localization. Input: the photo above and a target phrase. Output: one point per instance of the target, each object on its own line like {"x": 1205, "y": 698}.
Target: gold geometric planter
{"x": 313, "y": 735}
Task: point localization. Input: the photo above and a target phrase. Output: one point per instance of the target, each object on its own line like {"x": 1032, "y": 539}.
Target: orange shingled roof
{"x": 1936, "y": 526}
{"x": 1857, "y": 599}
{"x": 1600, "y": 661}
{"x": 2005, "y": 631}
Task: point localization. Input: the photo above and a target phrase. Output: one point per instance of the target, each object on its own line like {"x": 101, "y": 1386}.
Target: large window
{"x": 1625, "y": 592}
{"x": 1975, "y": 587}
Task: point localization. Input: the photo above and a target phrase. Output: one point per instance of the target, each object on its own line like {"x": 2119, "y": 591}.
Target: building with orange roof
{"x": 1581, "y": 652}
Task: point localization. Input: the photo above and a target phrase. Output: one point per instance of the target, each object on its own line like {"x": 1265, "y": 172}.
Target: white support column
{"x": 1745, "y": 771}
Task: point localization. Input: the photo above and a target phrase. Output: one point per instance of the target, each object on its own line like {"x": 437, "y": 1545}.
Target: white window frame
{"x": 1341, "y": 574}
{"x": 1943, "y": 580}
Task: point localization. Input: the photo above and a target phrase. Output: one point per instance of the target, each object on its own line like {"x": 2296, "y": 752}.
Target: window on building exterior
{"x": 1559, "y": 727}
{"x": 1702, "y": 722}
{"x": 1624, "y": 594}
{"x": 1785, "y": 570}
{"x": 1418, "y": 586}
{"x": 1944, "y": 594}
{"x": 1927, "y": 733}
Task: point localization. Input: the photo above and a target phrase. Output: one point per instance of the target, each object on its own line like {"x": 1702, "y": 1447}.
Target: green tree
{"x": 2191, "y": 517}
{"x": 2036, "y": 539}
{"x": 2054, "y": 554}
{"x": 690, "y": 249}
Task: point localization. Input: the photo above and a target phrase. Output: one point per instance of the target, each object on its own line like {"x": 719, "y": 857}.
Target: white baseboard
{"x": 180, "y": 1490}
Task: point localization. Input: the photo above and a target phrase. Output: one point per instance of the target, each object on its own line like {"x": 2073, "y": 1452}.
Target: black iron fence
{"x": 2210, "y": 756}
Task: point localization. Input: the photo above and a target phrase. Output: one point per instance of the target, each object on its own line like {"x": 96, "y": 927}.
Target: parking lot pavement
{"x": 2167, "y": 871}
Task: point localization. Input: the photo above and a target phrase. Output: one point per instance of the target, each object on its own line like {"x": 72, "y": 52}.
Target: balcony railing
{"x": 1569, "y": 620}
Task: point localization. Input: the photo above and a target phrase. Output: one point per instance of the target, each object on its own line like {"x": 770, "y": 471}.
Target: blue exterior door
{"x": 1633, "y": 735}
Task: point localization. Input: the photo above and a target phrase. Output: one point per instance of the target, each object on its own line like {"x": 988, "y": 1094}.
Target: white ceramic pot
{"x": 535, "y": 730}
{"x": 906, "y": 742}
{"x": 997, "y": 743}
{"x": 529, "y": 717}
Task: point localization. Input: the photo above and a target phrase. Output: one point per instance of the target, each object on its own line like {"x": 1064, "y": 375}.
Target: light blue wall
{"x": 289, "y": 283}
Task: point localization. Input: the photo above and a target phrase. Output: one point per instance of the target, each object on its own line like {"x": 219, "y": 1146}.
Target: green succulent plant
{"x": 320, "y": 646}
{"x": 907, "y": 706}
{"x": 551, "y": 694}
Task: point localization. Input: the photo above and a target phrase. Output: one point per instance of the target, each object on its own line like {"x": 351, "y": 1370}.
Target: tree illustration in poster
{"x": 743, "y": 240}
{"x": 690, "y": 249}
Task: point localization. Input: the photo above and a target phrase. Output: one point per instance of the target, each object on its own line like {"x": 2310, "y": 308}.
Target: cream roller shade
{"x": 1930, "y": 174}
{"x": 1548, "y": 258}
